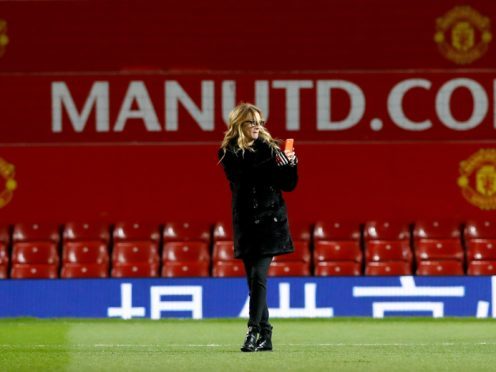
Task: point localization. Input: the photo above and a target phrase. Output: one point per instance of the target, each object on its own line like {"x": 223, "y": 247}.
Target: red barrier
{"x": 259, "y": 36}
{"x": 372, "y": 106}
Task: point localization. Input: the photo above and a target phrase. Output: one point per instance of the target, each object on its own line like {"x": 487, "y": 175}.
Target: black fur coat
{"x": 260, "y": 220}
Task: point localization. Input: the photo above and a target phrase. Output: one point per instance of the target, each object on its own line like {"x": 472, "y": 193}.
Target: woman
{"x": 257, "y": 172}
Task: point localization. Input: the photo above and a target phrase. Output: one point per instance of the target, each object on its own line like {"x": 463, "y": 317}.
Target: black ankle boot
{"x": 264, "y": 342}
{"x": 250, "y": 340}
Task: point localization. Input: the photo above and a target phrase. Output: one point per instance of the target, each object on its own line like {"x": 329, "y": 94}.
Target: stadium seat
{"x": 289, "y": 269}
{"x": 223, "y": 251}
{"x": 438, "y": 249}
{"x": 446, "y": 267}
{"x": 186, "y": 231}
{"x": 228, "y": 269}
{"x": 301, "y": 253}
{"x": 336, "y": 231}
{"x": 301, "y": 231}
{"x": 386, "y": 230}
{"x": 222, "y": 231}
{"x": 4, "y": 254}
{"x": 4, "y": 271}
{"x": 185, "y": 269}
{"x": 127, "y": 231}
{"x": 35, "y": 253}
{"x": 135, "y": 270}
{"x": 34, "y": 271}
{"x": 481, "y": 268}
{"x": 35, "y": 232}
{"x": 388, "y": 268}
{"x": 90, "y": 252}
{"x": 481, "y": 249}
{"x": 186, "y": 251}
{"x": 388, "y": 250}
{"x": 437, "y": 229}
{"x": 135, "y": 252}
{"x": 477, "y": 229}
{"x": 337, "y": 251}
{"x": 4, "y": 235}
{"x": 77, "y": 232}
{"x": 337, "y": 268}
{"x": 77, "y": 270}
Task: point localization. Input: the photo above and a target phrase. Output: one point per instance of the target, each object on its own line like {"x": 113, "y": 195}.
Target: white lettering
{"x": 137, "y": 92}
{"x": 204, "y": 116}
{"x": 126, "y": 311}
{"x": 293, "y": 88}
{"x": 324, "y": 95}
{"x": 443, "y": 106}
{"x": 195, "y": 305}
{"x": 395, "y": 105}
{"x": 99, "y": 97}
{"x": 229, "y": 97}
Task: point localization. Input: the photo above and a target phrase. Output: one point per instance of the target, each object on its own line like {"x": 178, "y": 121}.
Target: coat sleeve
{"x": 286, "y": 174}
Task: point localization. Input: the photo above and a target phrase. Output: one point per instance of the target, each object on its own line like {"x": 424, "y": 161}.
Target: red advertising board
{"x": 320, "y": 107}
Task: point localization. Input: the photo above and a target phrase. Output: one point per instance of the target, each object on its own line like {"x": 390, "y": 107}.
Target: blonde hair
{"x": 235, "y": 132}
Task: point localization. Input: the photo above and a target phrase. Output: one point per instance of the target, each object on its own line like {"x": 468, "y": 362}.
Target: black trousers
{"x": 256, "y": 274}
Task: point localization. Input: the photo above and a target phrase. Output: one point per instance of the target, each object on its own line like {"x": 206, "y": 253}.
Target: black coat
{"x": 260, "y": 220}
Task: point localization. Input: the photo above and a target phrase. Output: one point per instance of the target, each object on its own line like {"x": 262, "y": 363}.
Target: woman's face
{"x": 251, "y": 126}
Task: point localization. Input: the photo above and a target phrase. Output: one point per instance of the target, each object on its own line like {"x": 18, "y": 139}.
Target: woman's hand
{"x": 291, "y": 155}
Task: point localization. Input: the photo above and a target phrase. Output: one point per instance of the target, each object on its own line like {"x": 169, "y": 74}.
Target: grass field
{"x": 213, "y": 345}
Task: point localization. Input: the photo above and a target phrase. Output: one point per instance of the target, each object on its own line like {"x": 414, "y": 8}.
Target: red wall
{"x": 136, "y": 174}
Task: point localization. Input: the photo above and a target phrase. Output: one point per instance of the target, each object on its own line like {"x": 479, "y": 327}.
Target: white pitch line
{"x": 231, "y": 345}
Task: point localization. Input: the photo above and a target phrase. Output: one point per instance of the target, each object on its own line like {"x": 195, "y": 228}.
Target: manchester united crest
{"x": 463, "y": 35}
{"x": 7, "y": 182}
{"x": 4, "y": 39}
{"x": 478, "y": 179}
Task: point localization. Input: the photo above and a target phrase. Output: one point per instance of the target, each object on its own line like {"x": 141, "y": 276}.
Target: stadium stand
{"x": 135, "y": 252}
{"x": 85, "y": 251}
{"x": 35, "y": 251}
{"x": 4, "y": 252}
{"x": 301, "y": 234}
{"x": 337, "y": 248}
{"x": 186, "y": 249}
{"x": 224, "y": 264}
{"x": 480, "y": 243}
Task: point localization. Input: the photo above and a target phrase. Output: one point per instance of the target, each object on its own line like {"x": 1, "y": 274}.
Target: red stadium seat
{"x": 223, "y": 251}
{"x": 477, "y": 229}
{"x": 185, "y": 269}
{"x": 337, "y": 251}
{"x": 4, "y": 254}
{"x": 448, "y": 267}
{"x": 482, "y": 268}
{"x": 387, "y": 250}
{"x": 135, "y": 270}
{"x": 34, "y": 271}
{"x": 438, "y": 249}
{"x": 186, "y": 251}
{"x": 35, "y": 253}
{"x": 186, "y": 231}
{"x": 228, "y": 269}
{"x": 437, "y": 230}
{"x": 135, "y": 252}
{"x": 481, "y": 249}
{"x": 337, "y": 268}
{"x": 35, "y": 232}
{"x": 386, "y": 230}
{"x": 91, "y": 252}
{"x": 127, "y": 231}
{"x": 336, "y": 231}
{"x": 289, "y": 269}
{"x": 388, "y": 268}
{"x": 301, "y": 253}
{"x": 222, "y": 231}
{"x": 77, "y": 270}
{"x": 300, "y": 231}
{"x": 4, "y": 235}
{"x": 4, "y": 271}
{"x": 75, "y": 231}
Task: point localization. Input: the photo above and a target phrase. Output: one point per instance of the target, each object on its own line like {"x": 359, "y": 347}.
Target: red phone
{"x": 288, "y": 144}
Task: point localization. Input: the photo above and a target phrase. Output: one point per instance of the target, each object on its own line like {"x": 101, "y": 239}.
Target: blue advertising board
{"x": 309, "y": 297}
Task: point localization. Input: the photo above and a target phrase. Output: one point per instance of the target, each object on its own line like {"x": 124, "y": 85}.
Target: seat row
{"x": 192, "y": 249}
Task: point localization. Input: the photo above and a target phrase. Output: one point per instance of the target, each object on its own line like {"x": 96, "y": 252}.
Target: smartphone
{"x": 289, "y": 144}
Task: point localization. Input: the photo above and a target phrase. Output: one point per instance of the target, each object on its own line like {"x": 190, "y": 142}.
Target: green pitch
{"x": 213, "y": 345}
